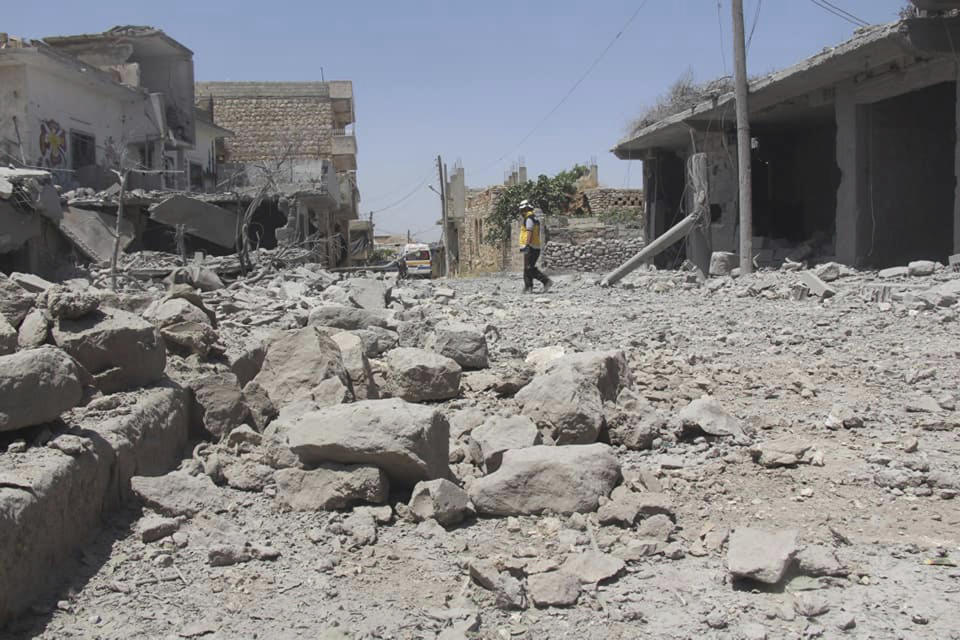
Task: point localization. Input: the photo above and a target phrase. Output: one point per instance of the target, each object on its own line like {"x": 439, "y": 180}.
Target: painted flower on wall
{"x": 53, "y": 144}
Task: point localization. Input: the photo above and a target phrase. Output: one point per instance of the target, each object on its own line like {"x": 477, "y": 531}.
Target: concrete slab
{"x": 201, "y": 219}
{"x": 817, "y": 286}
{"x": 92, "y": 232}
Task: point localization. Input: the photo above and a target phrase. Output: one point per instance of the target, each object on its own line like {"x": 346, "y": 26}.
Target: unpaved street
{"x": 834, "y": 463}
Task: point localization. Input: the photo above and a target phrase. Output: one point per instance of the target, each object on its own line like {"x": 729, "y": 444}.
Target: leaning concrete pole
{"x": 743, "y": 140}
{"x": 658, "y": 246}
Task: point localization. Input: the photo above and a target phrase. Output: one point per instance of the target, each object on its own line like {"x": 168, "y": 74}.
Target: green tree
{"x": 551, "y": 195}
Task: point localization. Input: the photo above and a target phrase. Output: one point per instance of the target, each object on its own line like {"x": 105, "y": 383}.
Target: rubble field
{"x": 767, "y": 456}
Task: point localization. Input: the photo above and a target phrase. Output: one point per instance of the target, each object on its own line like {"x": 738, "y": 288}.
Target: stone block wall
{"x": 589, "y": 245}
{"x": 476, "y": 256}
{"x": 265, "y": 118}
{"x": 603, "y": 200}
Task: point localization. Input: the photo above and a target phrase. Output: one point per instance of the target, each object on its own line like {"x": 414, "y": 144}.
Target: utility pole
{"x": 443, "y": 214}
{"x": 743, "y": 140}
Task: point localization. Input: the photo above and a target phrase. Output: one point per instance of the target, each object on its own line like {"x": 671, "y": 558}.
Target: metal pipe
{"x": 658, "y": 246}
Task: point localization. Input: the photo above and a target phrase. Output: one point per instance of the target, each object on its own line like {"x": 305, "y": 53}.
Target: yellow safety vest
{"x": 530, "y": 236}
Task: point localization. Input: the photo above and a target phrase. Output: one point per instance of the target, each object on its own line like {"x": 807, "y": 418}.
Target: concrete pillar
{"x": 851, "y": 161}
{"x": 956, "y": 197}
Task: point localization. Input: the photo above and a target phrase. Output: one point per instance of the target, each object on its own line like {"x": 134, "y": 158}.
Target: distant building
{"x": 608, "y": 220}
{"x": 305, "y": 129}
{"x": 77, "y": 105}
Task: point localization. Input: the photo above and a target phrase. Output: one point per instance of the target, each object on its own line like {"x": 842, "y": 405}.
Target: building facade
{"x": 79, "y": 106}
{"x": 854, "y": 154}
{"x": 303, "y": 132}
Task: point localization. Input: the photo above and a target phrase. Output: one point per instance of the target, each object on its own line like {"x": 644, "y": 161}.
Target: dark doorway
{"x": 907, "y": 201}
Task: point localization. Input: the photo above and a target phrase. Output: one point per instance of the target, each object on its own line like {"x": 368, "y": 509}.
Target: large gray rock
{"x": 70, "y": 304}
{"x": 708, "y": 415}
{"x": 34, "y": 330}
{"x": 296, "y": 362}
{"x": 331, "y": 486}
{"x": 498, "y": 434}
{"x": 192, "y": 337}
{"x": 507, "y": 591}
{"x": 121, "y": 350}
{"x": 174, "y": 310}
{"x": 563, "y": 479}
{"x": 377, "y": 340}
{"x": 8, "y": 337}
{"x": 761, "y": 555}
{"x": 463, "y": 343}
{"x": 356, "y": 364}
{"x": 593, "y": 566}
{"x": 368, "y": 293}
{"x": 343, "y": 317}
{"x": 922, "y": 267}
{"x": 633, "y": 422}
{"x": 36, "y": 386}
{"x": 722, "y": 263}
{"x": 15, "y": 301}
{"x": 608, "y": 370}
{"x": 566, "y": 404}
{"x": 178, "y": 493}
{"x": 553, "y": 589}
{"x": 417, "y": 375}
{"x": 410, "y": 442}
{"x": 219, "y": 405}
{"x": 439, "y": 500}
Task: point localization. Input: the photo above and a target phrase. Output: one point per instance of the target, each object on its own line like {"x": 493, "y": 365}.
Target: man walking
{"x": 531, "y": 243}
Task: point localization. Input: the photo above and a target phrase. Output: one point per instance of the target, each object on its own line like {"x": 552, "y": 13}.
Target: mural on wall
{"x": 53, "y": 144}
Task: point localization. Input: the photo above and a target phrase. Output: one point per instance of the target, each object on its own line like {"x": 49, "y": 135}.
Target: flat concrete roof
{"x": 868, "y": 48}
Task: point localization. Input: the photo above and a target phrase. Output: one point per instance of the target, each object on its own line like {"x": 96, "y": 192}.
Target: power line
{"x": 393, "y": 192}
{"x": 576, "y": 84}
{"x": 833, "y": 9}
{"x": 404, "y": 198}
{"x": 845, "y": 12}
{"x": 723, "y": 47}
{"x": 756, "y": 19}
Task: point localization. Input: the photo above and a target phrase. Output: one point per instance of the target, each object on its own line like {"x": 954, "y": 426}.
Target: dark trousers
{"x": 530, "y": 271}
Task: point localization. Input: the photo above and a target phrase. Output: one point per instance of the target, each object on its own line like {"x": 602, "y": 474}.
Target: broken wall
{"x": 13, "y": 114}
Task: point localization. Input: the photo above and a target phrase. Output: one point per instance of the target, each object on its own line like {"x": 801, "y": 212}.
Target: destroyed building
{"x": 854, "y": 154}
{"x": 606, "y": 228}
{"x": 75, "y": 105}
{"x": 301, "y": 133}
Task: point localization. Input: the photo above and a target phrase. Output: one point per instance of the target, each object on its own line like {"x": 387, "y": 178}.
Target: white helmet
{"x": 524, "y": 204}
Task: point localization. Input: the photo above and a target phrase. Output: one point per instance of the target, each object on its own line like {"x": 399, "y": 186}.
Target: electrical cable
{"x": 756, "y": 19}
{"x": 842, "y": 15}
{"x": 830, "y": 4}
{"x": 573, "y": 88}
{"x": 404, "y": 198}
{"x": 723, "y": 47}
{"x": 394, "y": 192}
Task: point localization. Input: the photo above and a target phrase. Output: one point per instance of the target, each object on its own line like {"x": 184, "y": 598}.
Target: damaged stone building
{"x": 300, "y": 136}
{"x": 77, "y": 111}
{"x": 607, "y": 228}
{"x": 854, "y": 153}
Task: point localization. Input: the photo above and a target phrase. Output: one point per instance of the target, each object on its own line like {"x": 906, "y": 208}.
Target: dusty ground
{"x": 778, "y": 364}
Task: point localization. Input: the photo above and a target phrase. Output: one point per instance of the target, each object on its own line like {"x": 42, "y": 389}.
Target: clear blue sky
{"x": 467, "y": 80}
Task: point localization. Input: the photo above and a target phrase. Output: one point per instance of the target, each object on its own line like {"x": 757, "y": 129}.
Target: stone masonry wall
{"x": 588, "y": 245}
{"x": 582, "y": 244}
{"x": 476, "y": 256}
{"x": 264, "y": 125}
{"x": 603, "y": 200}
